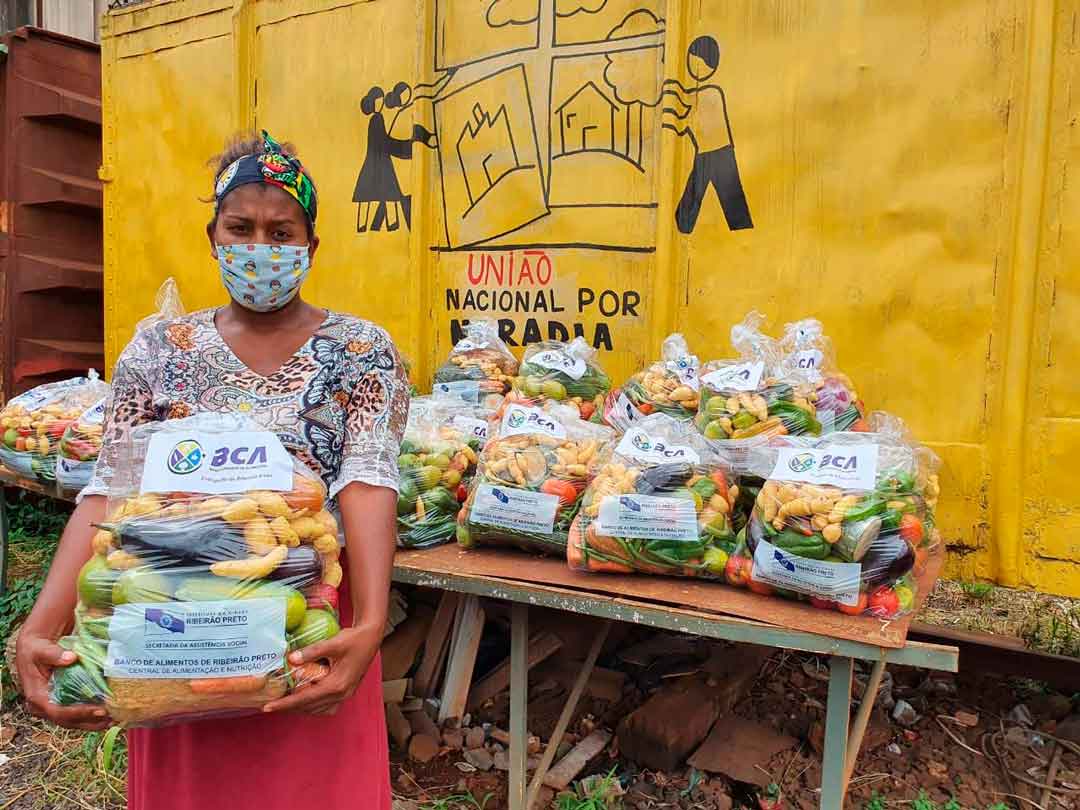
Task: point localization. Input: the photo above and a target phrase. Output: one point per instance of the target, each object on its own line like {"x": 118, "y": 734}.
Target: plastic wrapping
{"x": 530, "y": 479}
{"x": 479, "y": 365}
{"x": 661, "y": 503}
{"x": 806, "y": 356}
{"x": 34, "y": 423}
{"x": 844, "y": 520}
{"x": 746, "y": 401}
{"x": 438, "y": 458}
{"x": 668, "y": 386}
{"x": 565, "y": 372}
{"x": 79, "y": 448}
{"x": 216, "y": 558}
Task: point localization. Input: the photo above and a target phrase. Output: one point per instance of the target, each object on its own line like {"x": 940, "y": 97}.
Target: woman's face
{"x": 260, "y": 214}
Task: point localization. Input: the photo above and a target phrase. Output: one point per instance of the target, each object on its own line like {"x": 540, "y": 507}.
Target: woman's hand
{"x": 35, "y": 659}
{"x": 350, "y": 653}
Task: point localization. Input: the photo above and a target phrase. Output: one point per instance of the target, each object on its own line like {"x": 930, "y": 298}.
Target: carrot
{"x": 309, "y": 673}
{"x": 646, "y": 408}
{"x": 227, "y": 686}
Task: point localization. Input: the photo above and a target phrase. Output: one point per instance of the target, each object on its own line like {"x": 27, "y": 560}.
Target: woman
{"x": 333, "y": 388}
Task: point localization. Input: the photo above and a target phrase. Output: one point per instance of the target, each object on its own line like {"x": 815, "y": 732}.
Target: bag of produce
{"x": 843, "y": 520}
{"x": 668, "y": 386}
{"x": 661, "y": 503}
{"x": 807, "y": 357}
{"x": 217, "y": 557}
{"x": 745, "y": 401}
{"x": 564, "y": 372}
{"x": 530, "y": 478}
{"x": 479, "y": 365}
{"x": 34, "y": 423}
{"x": 79, "y": 448}
{"x": 437, "y": 461}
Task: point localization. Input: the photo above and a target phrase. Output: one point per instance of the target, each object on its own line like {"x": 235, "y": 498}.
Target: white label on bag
{"x": 466, "y": 345}
{"x": 809, "y": 361}
{"x": 739, "y": 377}
{"x": 640, "y": 446}
{"x": 514, "y": 509}
{"x": 73, "y": 475}
{"x": 686, "y": 369}
{"x": 467, "y": 390}
{"x": 94, "y": 415}
{"x": 474, "y": 428}
{"x": 848, "y": 466}
{"x": 216, "y": 463}
{"x": 837, "y": 582}
{"x": 647, "y": 517}
{"x": 196, "y": 639}
{"x": 626, "y": 413}
{"x": 573, "y": 367}
{"x": 520, "y": 420}
{"x": 43, "y": 395}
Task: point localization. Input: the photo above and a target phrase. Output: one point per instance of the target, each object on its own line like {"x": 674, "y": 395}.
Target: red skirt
{"x": 268, "y": 762}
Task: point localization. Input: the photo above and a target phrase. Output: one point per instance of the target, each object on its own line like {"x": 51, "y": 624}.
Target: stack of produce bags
{"x": 480, "y": 367}
{"x": 566, "y": 373}
{"x": 668, "y": 386}
{"x": 442, "y": 442}
{"x": 661, "y": 503}
{"x": 530, "y": 479}
{"x": 218, "y": 557}
{"x": 34, "y": 424}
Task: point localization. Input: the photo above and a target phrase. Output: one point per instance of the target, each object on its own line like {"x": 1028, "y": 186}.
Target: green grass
{"x": 598, "y": 795}
{"x": 459, "y": 801}
{"x": 977, "y": 590}
{"x": 923, "y": 802}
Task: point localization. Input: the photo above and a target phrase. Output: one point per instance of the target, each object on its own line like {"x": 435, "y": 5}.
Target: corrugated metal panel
{"x": 50, "y": 150}
{"x": 908, "y": 168}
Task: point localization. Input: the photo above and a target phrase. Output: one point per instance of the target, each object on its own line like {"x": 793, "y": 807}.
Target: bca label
{"x": 473, "y": 428}
{"x": 572, "y": 367}
{"x": 739, "y": 377}
{"x": 639, "y": 445}
{"x": 216, "y": 463}
{"x": 521, "y": 420}
{"x": 852, "y": 466}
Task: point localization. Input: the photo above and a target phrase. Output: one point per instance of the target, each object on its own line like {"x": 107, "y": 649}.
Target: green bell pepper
{"x": 813, "y": 547}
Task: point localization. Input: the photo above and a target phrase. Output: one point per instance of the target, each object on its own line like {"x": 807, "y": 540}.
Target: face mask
{"x": 263, "y": 278}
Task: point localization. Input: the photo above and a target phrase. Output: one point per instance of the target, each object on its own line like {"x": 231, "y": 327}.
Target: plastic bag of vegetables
{"x": 843, "y": 521}
{"x": 661, "y": 503}
{"x": 668, "y": 386}
{"x": 565, "y": 372}
{"x": 79, "y": 448}
{"x": 807, "y": 357}
{"x": 530, "y": 478}
{"x": 437, "y": 460}
{"x": 34, "y": 423}
{"x": 480, "y": 364}
{"x": 217, "y": 557}
{"x": 745, "y": 402}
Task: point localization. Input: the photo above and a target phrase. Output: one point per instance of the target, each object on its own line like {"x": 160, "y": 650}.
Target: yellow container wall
{"x": 905, "y": 173}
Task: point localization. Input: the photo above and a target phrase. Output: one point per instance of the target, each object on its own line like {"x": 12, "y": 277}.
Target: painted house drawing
{"x": 486, "y": 151}
{"x": 590, "y": 120}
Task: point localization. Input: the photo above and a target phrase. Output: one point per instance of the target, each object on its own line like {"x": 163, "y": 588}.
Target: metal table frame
{"x": 843, "y": 735}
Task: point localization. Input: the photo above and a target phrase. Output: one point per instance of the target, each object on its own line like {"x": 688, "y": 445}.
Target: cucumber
{"x": 857, "y": 538}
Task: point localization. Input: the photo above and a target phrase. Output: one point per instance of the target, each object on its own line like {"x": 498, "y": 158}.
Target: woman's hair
{"x": 367, "y": 103}
{"x": 396, "y": 97}
{"x": 241, "y": 145}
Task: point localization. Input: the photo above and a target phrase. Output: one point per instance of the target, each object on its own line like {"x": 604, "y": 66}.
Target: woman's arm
{"x": 36, "y": 653}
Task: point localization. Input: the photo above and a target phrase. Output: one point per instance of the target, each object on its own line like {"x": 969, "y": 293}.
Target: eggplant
{"x": 302, "y": 567}
{"x": 887, "y": 559}
{"x": 185, "y": 541}
{"x": 663, "y": 478}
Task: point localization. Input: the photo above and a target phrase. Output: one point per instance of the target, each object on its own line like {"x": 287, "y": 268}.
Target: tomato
{"x": 854, "y": 610}
{"x": 911, "y": 529}
{"x": 759, "y": 587}
{"x": 884, "y": 603}
{"x": 860, "y": 426}
{"x": 737, "y": 571}
{"x": 720, "y": 480}
{"x": 646, "y": 408}
{"x": 564, "y": 490}
{"x": 462, "y": 493}
{"x": 587, "y": 410}
{"x": 822, "y": 604}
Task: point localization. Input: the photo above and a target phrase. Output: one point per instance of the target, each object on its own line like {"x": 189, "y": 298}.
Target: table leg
{"x": 3, "y": 541}
{"x": 862, "y": 719}
{"x": 837, "y": 718}
{"x": 519, "y": 695}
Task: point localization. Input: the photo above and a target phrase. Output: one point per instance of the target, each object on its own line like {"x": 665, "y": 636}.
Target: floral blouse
{"x": 339, "y": 404}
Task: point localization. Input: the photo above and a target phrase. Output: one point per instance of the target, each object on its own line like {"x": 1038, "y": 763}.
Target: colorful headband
{"x": 273, "y": 166}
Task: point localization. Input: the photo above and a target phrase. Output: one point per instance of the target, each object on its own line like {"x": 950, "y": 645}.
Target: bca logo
{"x": 238, "y": 456}
{"x": 802, "y": 462}
{"x": 186, "y": 457}
{"x": 641, "y": 442}
{"x": 516, "y": 419}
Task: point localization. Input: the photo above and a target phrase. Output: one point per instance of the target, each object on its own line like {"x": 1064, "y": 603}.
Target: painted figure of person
{"x": 714, "y": 161}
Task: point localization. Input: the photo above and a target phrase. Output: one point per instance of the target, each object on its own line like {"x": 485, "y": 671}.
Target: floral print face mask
{"x": 263, "y": 278}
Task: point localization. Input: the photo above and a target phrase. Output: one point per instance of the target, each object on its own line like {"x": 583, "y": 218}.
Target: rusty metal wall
{"x": 50, "y": 209}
